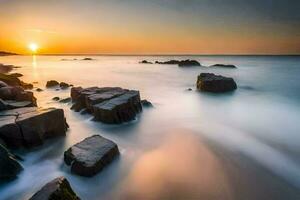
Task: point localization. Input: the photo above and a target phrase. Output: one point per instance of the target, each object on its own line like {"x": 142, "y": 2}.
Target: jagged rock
{"x": 146, "y": 62}
{"x": 213, "y": 83}
{"x": 9, "y": 167}
{"x": 224, "y": 66}
{"x": 17, "y": 93}
{"x": 65, "y": 100}
{"x": 57, "y": 189}
{"x": 30, "y": 126}
{"x": 63, "y": 85}
{"x": 52, "y": 83}
{"x": 180, "y": 63}
{"x": 91, "y": 155}
{"x": 146, "y": 103}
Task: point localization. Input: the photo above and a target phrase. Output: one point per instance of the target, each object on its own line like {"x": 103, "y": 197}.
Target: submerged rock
{"x": 146, "y": 62}
{"x": 107, "y": 104}
{"x": 87, "y": 59}
{"x": 224, "y": 66}
{"x": 52, "y": 83}
{"x": 65, "y": 100}
{"x": 146, "y": 103}
{"x": 91, "y": 155}
{"x": 30, "y": 126}
{"x": 9, "y": 167}
{"x": 55, "y": 98}
{"x": 214, "y": 83}
{"x": 57, "y": 189}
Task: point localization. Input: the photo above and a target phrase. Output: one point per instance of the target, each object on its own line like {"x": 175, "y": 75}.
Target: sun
{"x": 33, "y": 47}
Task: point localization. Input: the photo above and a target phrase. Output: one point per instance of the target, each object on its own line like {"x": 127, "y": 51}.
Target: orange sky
{"x": 137, "y": 27}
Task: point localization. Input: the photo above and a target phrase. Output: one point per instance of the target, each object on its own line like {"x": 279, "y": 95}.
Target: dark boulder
{"x": 91, "y": 155}
{"x": 9, "y": 167}
{"x": 30, "y": 126}
{"x": 146, "y": 62}
{"x": 87, "y": 59}
{"x": 16, "y": 75}
{"x": 39, "y": 90}
{"x": 5, "y": 68}
{"x": 188, "y": 63}
{"x": 224, "y": 66}
{"x": 55, "y": 98}
{"x": 57, "y": 189}
{"x": 214, "y": 83}
{"x": 65, "y": 100}
{"x": 52, "y": 83}
{"x": 63, "y": 85}
{"x": 146, "y": 103}
{"x": 17, "y": 93}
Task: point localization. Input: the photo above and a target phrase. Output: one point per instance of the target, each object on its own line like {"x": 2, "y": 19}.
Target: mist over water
{"x": 192, "y": 145}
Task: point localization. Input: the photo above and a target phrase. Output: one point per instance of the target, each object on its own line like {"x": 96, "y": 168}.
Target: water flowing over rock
{"x": 9, "y": 167}
{"x": 112, "y": 105}
{"x": 30, "y": 126}
{"x": 91, "y": 155}
{"x": 214, "y": 83}
{"x": 57, "y": 189}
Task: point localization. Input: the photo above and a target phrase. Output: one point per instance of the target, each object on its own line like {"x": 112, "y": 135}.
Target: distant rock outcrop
{"x": 146, "y": 62}
{"x": 213, "y": 83}
{"x": 224, "y": 66}
{"x": 4, "y": 53}
{"x": 180, "y": 63}
{"x": 91, "y": 155}
{"x": 111, "y": 105}
{"x": 30, "y": 126}
{"x": 57, "y": 189}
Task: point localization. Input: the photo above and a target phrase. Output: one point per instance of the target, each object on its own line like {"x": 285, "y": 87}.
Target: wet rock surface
{"x": 111, "y": 105}
{"x": 91, "y": 155}
{"x": 9, "y": 166}
{"x": 57, "y": 189}
{"x": 210, "y": 82}
{"x": 146, "y": 103}
{"x": 30, "y": 126}
{"x": 52, "y": 83}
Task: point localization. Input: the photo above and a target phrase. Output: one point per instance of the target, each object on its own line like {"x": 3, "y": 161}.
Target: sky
{"x": 151, "y": 26}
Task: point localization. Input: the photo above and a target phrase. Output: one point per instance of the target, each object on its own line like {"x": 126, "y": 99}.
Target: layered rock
{"x": 107, "y": 104}
{"x": 30, "y": 126}
{"x": 9, "y": 167}
{"x": 91, "y": 155}
{"x": 214, "y": 83}
{"x": 224, "y": 66}
{"x": 57, "y": 189}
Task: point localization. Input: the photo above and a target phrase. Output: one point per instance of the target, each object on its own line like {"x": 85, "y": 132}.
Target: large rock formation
{"x": 91, "y": 155}
{"x": 57, "y": 189}
{"x": 107, "y": 104}
{"x": 180, "y": 63}
{"x": 9, "y": 167}
{"x": 213, "y": 83}
{"x": 16, "y": 93}
{"x": 30, "y": 126}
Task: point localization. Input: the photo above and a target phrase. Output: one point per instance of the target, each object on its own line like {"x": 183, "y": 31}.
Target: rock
{"x": 11, "y": 80}
{"x": 9, "y": 104}
{"x": 224, "y": 66}
{"x": 91, "y": 155}
{"x": 146, "y": 103}
{"x": 30, "y": 126}
{"x": 51, "y": 83}
{"x": 87, "y": 59}
{"x": 180, "y": 63}
{"x": 63, "y": 85}
{"x": 16, "y": 75}
{"x": 65, "y": 100}
{"x": 9, "y": 167}
{"x": 39, "y": 90}
{"x": 75, "y": 92}
{"x": 17, "y": 93}
{"x": 145, "y": 62}
{"x": 55, "y": 98}
{"x": 189, "y": 89}
{"x": 2, "y": 84}
{"x": 213, "y": 83}
{"x": 5, "y": 68}
{"x": 57, "y": 189}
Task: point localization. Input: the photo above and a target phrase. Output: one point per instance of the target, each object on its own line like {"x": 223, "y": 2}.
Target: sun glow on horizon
{"x": 33, "y": 47}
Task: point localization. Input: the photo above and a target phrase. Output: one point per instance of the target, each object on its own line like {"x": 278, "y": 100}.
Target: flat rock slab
{"x": 210, "y": 82}
{"x": 113, "y": 105}
{"x": 58, "y": 189}
{"x": 91, "y": 155}
{"x": 30, "y": 126}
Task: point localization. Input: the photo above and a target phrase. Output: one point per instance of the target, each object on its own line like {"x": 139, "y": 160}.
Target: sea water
{"x": 191, "y": 145}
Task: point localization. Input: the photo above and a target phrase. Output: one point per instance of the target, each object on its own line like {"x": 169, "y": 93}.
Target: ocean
{"x": 192, "y": 145}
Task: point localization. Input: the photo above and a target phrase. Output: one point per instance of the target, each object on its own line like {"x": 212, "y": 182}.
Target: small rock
{"x": 57, "y": 189}
{"x": 65, "y": 100}
{"x": 213, "y": 83}
{"x": 52, "y": 83}
{"x": 55, "y": 98}
{"x": 224, "y": 66}
{"x": 146, "y": 103}
{"x": 91, "y": 155}
{"x": 16, "y": 75}
{"x": 189, "y": 89}
{"x": 39, "y": 90}
{"x": 145, "y": 62}
{"x": 87, "y": 59}
{"x": 63, "y": 85}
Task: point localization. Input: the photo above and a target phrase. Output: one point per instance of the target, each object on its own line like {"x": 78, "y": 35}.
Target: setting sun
{"x": 33, "y": 47}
